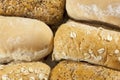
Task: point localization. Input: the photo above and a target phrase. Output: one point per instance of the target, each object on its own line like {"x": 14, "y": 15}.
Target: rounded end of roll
{"x": 24, "y": 39}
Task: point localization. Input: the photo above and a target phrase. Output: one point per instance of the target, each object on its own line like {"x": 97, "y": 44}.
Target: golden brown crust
{"x": 25, "y": 71}
{"x": 80, "y": 42}
{"x": 70, "y": 70}
{"x": 49, "y": 11}
{"x": 106, "y": 11}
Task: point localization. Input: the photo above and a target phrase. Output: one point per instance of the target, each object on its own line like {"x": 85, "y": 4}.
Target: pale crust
{"x": 25, "y": 71}
{"x": 24, "y": 39}
{"x": 80, "y": 42}
{"x": 70, "y": 70}
{"x": 106, "y": 11}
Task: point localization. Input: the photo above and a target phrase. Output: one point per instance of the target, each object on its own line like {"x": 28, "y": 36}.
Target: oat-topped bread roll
{"x": 23, "y": 39}
{"x": 49, "y": 11}
{"x": 99, "y": 10}
{"x": 25, "y": 71}
{"x": 81, "y": 42}
{"x": 70, "y": 70}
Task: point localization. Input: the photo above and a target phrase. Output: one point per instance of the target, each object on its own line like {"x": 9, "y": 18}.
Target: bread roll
{"x": 107, "y": 11}
{"x": 23, "y": 39}
{"x": 25, "y": 71}
{"x": 69, "y": 70}
{"x": 49, "y": 11}
{"x": 80, "y": 42}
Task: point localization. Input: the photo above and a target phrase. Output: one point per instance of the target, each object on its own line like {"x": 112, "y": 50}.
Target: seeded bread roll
{"x": 48, "y": 11}
{"x": 81, "y": 42}
{"x": 70, "y": 70}
{"x": 23, "y": 39}
{"x": 107, "y": 11}
{"x": 25, "y": 71}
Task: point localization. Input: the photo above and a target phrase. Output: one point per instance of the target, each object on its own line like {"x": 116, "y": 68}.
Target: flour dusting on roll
{"x": 23, "y": 39}
{"x": 107, "y": 11}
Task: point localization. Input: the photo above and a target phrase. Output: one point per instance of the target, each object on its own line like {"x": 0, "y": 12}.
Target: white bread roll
{"x": 81, "y": 42}
{"x": 107, "y": 11}
{"x": 25, "y": 71}
{"x": 70, "y": 70}
{"x": 23, "y": 39}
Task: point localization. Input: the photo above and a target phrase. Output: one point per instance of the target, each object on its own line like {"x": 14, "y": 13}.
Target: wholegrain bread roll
{"x": 107, "y": 11}
{"x": 23, "y": 39}
{"x": 81, "y": 42}
{"x": 70, "y": 70}
{"x": 25, "y": 71}
{"x": 48, "y": 11}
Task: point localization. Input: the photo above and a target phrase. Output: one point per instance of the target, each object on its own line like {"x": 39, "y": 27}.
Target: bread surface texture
{"x": 70, "y": 70}
{"x": 81, "y": 42}
{"x": 25, "y": 71}
{"x": 48, "y": 11}
{"x": 107, "y": 11}
{"x": 23, "y": 39}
